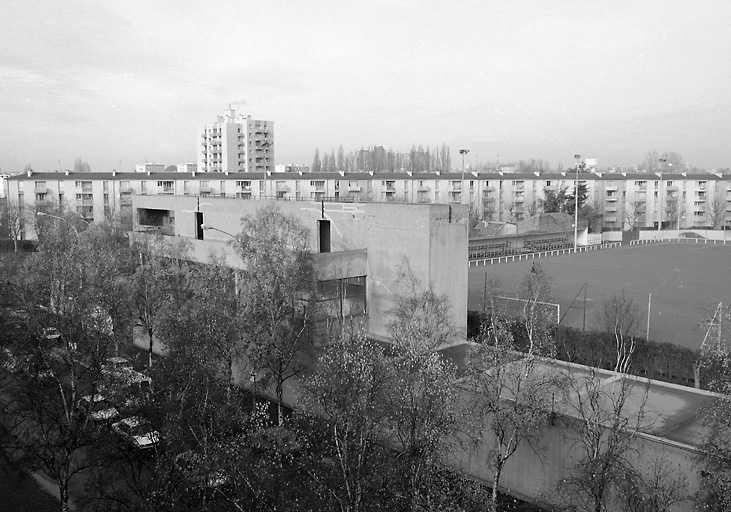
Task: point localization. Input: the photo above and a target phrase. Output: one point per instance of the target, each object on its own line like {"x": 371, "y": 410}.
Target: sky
{"x": 121, "y": 83}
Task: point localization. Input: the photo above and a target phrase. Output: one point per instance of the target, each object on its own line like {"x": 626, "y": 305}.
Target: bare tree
{"x": 510, "y": 393}
{"x": 14, "y": 222}
{"x": 420, "y": 316}
{"x": 603, "y": 427}
{"x": 511, "y": 209}
{"x": 672, "y": 209}
{"x": 635, "y": 213}
{"x": 421, "y": 398}
{"x": 347, "y": 389}
{"x": 653, "y": 486}
{"x": 620, "y": 317}
{"x": 156, "y": 283}
{"x": 536, "y": 314}
{"x": 716, "y": 213}
{"x": 277, "y": 288}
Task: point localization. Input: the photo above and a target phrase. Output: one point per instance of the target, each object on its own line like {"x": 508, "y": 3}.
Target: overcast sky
{"x": 120, "y": 83}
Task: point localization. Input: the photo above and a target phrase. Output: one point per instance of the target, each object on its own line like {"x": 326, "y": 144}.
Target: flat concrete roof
{"x": 671, "y": 411}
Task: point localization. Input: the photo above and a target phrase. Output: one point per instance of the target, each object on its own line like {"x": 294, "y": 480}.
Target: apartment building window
{"x": 143, "y": 187}
{"x": 669, "y": 183}
{"x": 40, "y": 186}
{"x": 105, "y": 186}
{"x": 702, "y": 185}
{"x": 21, "y": 199}
{"x": 457, "y": 186}
{"x": 124, "y": 186}
{"x": 166, "y": 187}
{"x": 318, "y": 185}
{"x": 106, "y": 198}
{"x": 243, "y": 185}
{"x": 262, "y": 186}
{"x": 222, "y": 188}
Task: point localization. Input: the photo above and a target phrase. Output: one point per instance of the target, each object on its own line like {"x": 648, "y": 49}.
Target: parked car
{"x": 197, "y": 472}
{"x": 97, "y": 408}
{"x": 51, "y": 333}
{"x": 137, "y": 432}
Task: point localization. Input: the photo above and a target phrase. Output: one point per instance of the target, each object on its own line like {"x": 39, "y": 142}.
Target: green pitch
{"x": 684, "y": 280}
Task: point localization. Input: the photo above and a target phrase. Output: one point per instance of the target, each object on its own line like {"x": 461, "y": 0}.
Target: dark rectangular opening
{"x": 323, "y": 228}
{"x": 199, "y": 225}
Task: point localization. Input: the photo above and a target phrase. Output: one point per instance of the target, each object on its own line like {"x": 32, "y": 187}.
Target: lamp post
{"x": 206, "y": 227}
{"x": 44, "y": 214}
{"x": 662, "y": 161}
{"x": 266, "y": 144}
{"x": 462, "y": 152}
{"x": 577, "y": 157}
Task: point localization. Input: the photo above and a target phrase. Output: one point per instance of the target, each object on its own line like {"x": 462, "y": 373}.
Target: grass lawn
{"x": 684, "y": 280}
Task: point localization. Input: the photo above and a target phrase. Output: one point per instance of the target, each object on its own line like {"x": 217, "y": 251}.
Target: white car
{"x": 97, "y": 408}
{"x": 137, "y": 432}
{"x": 51, "y": 333}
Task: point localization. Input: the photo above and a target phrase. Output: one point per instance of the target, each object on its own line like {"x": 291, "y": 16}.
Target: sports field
{"x": 684, "y": 280}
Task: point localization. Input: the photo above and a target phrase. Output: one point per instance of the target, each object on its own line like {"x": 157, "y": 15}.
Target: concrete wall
{"x": 432, "y": 238}
{"x": 534, "y": 475}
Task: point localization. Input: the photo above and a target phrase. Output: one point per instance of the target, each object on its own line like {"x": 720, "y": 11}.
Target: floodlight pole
{"x": 659, "y": 196}
{"x": 576, "y": 202}
{"x": 462, "y": 152}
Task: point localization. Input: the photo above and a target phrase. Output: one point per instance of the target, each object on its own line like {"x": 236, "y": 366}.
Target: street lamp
{"x": 44, "y": 214}
{"x": 205, "y": 227}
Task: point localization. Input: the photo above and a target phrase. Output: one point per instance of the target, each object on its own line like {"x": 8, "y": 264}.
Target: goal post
{"x": 513, "y": 306}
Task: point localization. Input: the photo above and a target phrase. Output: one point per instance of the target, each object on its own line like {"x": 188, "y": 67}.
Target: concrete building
{"x": 235, "y": 143}
{"x": 358, "y": 248}
{"x": 625, "y": 201}
{"x": 149, "y": 168}
{"x": 187, "y": 167}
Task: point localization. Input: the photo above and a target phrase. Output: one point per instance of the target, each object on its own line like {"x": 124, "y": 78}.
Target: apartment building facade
{"x": 625, "y": 201}
{"x": 236, "y": 143}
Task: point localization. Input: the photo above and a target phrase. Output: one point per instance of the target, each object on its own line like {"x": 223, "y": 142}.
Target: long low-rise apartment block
{"x": 624, "y": 201}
